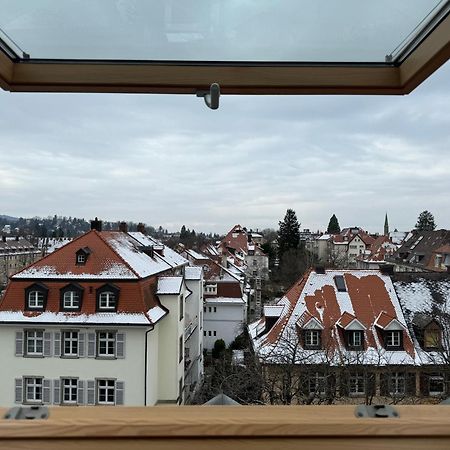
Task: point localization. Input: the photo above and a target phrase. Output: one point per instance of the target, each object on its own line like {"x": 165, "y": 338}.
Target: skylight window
{"x": 340, "y": 283}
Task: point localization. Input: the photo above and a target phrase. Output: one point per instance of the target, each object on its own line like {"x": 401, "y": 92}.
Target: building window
{"x": 209, "y": 333}
{"x": 312, "y": 339}
{"x": 34, "y": 343}
{"x": 393, "y": 340}
{"x": 81, "y": 258}
{"x": 317, "y": 384}
{"x": 355, "y": 340}
{"x": 180, "y": 348}
{"x": 35, "y": 300}
{"x": 106, "y": 343}
{"x": 215, "y": 333}
{"x": 432, "y": 338}
{"x": 107, "y": 301}
{"x": 356, "y": 384}
{"x": 69, "y": 390}
{"x": 70, "y": 343}
{"x": 33, "y": 390}
{"x": 204, "y": 309}
{"x": 181, "y": 307}
{"x": 71, "y": 300}
{"x": 436, "y": 384}
{"x": 397, "y": 383}
{"x": 204, "y": 333}
{"x": 106, "y": 392}
{"x": 215, "y": 309}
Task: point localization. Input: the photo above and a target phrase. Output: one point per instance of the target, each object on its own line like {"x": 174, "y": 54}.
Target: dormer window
{"x": 312, "y": 339}
{"x": 340, "y": 283}
{"x": 393, "y": 340}
{"x": 35, "y": 300}
{"x": 355, "y": 340}
{"x": 35, "y": 297}
{"x": 71, "y": 297}
{"x": 432, "y": 337}
{"x": 107, "y": 298}
{"x": 82, "y": 255}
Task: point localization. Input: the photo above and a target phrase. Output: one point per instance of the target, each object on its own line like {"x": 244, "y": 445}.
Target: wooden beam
{"x": 234, "y": 428}
{"x": 431, "y": 54}
{"x": 187, "y": 79}
{"x": 6, "y": 70}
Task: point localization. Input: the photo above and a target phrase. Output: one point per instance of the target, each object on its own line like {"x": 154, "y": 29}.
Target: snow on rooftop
{"x": 273, "y": 310}
{"x": 130, "y": 251}
{"x": 169, "y": 285}
{"x": 228, "y": 300}
{"x": 114, "y": 271}
{"x": 196, "y": 255}
{"x": 193, "y": 273}
{"x": 156, "y": 313}
{"x": 72, "y": 318}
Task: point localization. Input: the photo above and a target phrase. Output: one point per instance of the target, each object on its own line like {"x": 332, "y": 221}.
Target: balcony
{"x": 191, "y": 325}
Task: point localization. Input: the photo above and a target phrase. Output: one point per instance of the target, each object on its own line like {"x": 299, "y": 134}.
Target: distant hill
{"x": 9, "y": 218}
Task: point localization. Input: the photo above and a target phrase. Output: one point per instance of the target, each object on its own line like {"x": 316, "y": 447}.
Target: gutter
{"x": 146, "y": 363}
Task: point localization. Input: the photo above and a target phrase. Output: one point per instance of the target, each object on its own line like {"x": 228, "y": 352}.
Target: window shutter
{"x": 91, "y": 346}
{"x": 82, "y": 345}
{"x": 120, "y": 385}
{"x": 56, "y": 392}
{"x": 120, "y": 345}
{"x": 46, "y": 386}
{"x": 57, "y": 344}
{"x": 80, "y": 392}
{"x": 19, "y": 343}
{"x": 91, "y": 392}
{"x": 47, "y": 343}
{"x": 18, "y": 390}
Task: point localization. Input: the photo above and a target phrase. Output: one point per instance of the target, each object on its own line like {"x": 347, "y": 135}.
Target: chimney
{"x": 387, "y": 269}
{"x": 141, "y": 228}
{"x": 96, "y": 224}
{"x": 148, "y": 250}
{"x": 123, "y": 227}
{"x": 320, "y": 269}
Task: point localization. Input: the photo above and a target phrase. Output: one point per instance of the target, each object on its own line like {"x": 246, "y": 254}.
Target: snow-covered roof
{"x": 193, "y": 273}
{"x": 169, "y": 285}
{"x": 227, "y": 300}
{"x": 367, "y": 294}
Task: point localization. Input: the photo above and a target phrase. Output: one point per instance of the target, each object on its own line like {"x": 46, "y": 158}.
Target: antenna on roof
{"x": 212, "y": 96}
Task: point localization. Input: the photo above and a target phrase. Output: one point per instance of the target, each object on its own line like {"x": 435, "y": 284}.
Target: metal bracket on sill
{"x": 212, "y": 96}
{"x": 27, "y": 413}
{"x": 376, "y": 411}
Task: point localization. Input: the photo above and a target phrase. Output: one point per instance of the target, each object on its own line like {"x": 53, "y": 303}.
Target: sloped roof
{"x": 169, "y": 285}
{"x": 369, "y": 293}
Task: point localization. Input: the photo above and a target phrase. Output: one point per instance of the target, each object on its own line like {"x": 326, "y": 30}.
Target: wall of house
{"x": 227, "y": 321}
{"x": 170, "y": 362}
{"x": 129, "y": 369}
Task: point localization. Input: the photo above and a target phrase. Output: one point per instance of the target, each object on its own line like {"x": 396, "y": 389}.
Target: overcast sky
{"x": 168, "y": 160}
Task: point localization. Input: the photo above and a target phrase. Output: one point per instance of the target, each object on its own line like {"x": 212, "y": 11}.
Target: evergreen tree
{"x": 333, "y": 225}
{"x": 425, "y": 221}
{"x": 288, "y": 233}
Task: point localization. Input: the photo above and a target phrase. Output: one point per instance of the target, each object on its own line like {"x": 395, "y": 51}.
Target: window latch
{"x": 212, "y": 96}
{"x": 376, "y": 411}
{"x": 27, "y": 413}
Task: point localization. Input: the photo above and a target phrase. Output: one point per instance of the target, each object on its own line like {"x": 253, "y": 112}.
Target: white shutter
{"x": 56, "y": 392}
{"x": 57, "y": 343}
{"x": 80, "y": 399}
{"x": 90, "y": 392}
{"x": 47, "y": 343}
{"x": 120, "y": 386}
{"x": 120, "y": 345}
{"x": 18, "y": 390}
{"x": 19, "y": 343}
{"x": 91, "y": 345}
{"x": 46, "y": 387}
{"x": 82, "y": 345}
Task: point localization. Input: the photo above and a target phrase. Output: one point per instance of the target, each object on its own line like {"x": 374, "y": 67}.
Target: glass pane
{"x": 213, "y": 30}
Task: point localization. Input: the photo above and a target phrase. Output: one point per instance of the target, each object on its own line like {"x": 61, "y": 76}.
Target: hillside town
{"x": 131, "y": 315}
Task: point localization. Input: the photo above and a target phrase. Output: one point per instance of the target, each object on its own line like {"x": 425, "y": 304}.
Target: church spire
{"x": 386, "y": 226}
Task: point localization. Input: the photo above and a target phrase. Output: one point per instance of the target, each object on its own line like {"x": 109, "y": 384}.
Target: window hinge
{"x": 376, "y": 411}
{"x": 211, "y": 97}
{"x": 27, "y": 413}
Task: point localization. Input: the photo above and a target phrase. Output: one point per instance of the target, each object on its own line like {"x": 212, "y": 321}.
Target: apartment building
{"x": 104, "y": 320}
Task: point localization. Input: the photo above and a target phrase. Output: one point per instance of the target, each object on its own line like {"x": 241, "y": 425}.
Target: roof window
{"x": 340, "y": 283}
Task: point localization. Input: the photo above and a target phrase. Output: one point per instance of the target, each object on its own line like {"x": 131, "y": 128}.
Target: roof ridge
{"x": 49, "y": 254}
{"x": 115, "y": 251}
